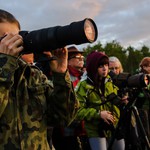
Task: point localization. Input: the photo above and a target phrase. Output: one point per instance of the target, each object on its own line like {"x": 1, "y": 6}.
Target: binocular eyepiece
{"x": 48, "y": 39}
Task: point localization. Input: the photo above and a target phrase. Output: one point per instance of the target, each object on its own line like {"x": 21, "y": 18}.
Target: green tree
{"x": 129, "y": 57}
{"x": 115, "y": 49}
{"x": 89, "y": 48}
{"x": 132, "y": 61}
{"x": 145, "y": 51}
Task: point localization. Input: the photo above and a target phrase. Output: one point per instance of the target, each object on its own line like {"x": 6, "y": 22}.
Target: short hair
{"x": 115, "y": 59}
{"x": 145, "y": 62}
{"x": 8, "y": 17}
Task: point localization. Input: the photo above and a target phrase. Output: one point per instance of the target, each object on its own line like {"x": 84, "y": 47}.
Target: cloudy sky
{"x": 127, "y": 21}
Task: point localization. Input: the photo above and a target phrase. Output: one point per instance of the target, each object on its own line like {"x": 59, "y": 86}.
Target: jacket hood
{"x": 92, "y": 63}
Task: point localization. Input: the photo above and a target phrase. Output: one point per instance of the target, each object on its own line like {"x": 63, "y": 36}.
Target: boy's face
{"x": 6, "y": 27}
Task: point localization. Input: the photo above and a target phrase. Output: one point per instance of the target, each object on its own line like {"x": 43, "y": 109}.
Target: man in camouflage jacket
{"x": 28, "y": 102}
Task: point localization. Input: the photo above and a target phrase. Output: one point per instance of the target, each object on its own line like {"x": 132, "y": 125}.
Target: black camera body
{"x": 129, "y": 85}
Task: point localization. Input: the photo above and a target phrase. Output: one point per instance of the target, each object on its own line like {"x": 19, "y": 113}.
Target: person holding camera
{"x": 72, "y": 137}
{"x": 143, "y": 99}
{"x": 115, "y": 65}
{"x": 28, "y": 102}
{"x": 101, "y": 116}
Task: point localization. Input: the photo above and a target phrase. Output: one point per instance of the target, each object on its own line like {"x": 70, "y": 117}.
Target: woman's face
{"x": 114, "y": 66}
{"x": 103, "y": 70}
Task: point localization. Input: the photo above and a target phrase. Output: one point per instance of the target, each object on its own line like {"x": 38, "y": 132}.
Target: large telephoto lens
{"x": 139, "y": 80}
{"x": 48, "y": 39}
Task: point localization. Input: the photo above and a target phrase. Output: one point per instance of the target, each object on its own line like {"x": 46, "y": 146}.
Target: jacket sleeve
{"x": 85, "y": 111}
{"x": 62, "y": 104}
{"x": 8, "y": 65}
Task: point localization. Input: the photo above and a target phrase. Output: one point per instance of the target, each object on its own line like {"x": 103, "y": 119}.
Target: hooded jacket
{"x": 92, "y": 101}
{"x": 92, "y": 63}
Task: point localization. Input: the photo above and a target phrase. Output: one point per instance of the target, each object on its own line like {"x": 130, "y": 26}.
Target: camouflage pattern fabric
{"x": 29, "y": 104}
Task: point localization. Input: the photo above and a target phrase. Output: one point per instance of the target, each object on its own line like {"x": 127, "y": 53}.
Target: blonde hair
{"x": 115, "y": 59}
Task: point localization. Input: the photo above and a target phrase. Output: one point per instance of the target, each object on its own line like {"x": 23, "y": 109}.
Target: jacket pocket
{"x": 37, "y": 105}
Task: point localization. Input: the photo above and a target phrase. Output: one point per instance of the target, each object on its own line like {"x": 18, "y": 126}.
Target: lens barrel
{"x": 48, "y": 39}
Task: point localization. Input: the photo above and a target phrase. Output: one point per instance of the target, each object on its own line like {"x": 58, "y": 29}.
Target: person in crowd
{"x": 28, "y": 103}
{"x": 96, "y": 108}
{"x": 145, "y": 65}
{"x": 136, "y": 115}
{"x": 72, "y": 137}
{"x": 75, "y": 64}
{"x": 143, "y": 100}
{"x": 145, "y": 68}
{"x": 42, "y": 60}
{"x": 115, "y": 65}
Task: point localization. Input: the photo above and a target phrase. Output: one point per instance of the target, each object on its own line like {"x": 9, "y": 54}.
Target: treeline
{"x": 129, "y": 57}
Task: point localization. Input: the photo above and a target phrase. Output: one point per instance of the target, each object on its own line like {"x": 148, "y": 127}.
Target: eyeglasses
{"x": 114, "y": 68}
{"x": 78, "y": 57}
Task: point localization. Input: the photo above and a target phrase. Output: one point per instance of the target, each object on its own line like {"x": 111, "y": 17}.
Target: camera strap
{"x": 89, "y": 91}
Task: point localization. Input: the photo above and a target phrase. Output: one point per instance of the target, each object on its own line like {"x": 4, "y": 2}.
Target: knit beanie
{"x": 93, "y": 61}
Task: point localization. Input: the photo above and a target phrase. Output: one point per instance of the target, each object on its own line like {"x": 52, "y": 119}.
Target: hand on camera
{"x": 107, "y": 117}
{"x": 11, "y": 44}
{"x": 60, "y": 64}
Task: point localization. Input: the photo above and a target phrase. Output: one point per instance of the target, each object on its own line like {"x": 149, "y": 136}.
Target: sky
{"x": 126, "y": 21}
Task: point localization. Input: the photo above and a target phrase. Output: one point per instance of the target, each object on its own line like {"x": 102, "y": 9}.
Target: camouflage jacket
{"x": 29, "y": 103}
